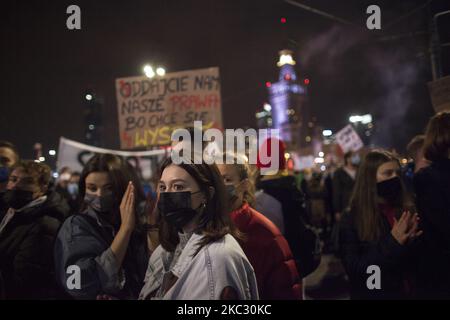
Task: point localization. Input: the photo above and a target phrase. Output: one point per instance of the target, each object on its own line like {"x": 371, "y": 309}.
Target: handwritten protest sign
{"x": 150, "y": 109}
{"x": 348, "y": 139}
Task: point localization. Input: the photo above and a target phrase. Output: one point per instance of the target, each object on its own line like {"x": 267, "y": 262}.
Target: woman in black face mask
{"x": 105, "y": 241}
{"x": 198, "y": 257}
{"x": 379, "y": 230}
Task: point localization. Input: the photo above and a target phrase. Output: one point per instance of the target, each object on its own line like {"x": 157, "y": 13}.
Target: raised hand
{"x": 406, "y": 228}
{"x": 127, "y": 206}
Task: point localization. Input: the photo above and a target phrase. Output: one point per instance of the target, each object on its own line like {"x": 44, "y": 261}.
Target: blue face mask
{"x": 72, "y": 188}
{"x": 4, "y": 174}
{"x": 356, "y": 160}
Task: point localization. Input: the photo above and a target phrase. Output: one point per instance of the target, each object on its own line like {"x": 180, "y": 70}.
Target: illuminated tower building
{"x": 289, "y": 112}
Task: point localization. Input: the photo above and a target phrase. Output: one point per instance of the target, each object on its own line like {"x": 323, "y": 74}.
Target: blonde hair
{"x": 244, "y": 172}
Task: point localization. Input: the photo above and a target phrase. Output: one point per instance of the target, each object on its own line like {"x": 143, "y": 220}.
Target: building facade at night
{"x": 287, "y": 109}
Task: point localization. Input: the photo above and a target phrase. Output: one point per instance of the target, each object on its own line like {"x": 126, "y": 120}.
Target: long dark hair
{"x": 215, "y": 221}
{"x": 363, "y": 204}
{"x": 120, "y": 173}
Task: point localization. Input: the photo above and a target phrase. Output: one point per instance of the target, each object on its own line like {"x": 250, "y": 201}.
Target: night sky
{"x": 47, "y": 68}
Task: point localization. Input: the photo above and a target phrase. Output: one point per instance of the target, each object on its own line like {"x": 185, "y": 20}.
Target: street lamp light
{"x": 160, "y": 71}
{"x": 150, "y": 73}
{"x": 148, "y": 70}
{"x": 364, "y": 119}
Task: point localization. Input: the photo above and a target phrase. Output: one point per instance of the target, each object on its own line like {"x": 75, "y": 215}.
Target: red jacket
{"x": 270, "y": 255}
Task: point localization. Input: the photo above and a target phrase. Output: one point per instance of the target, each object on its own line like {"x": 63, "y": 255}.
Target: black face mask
{"x": 390, "y": 190}
{"x": 100, "y": 204}
{"x": 17, "y": 198}
{"x": 176, "y": 208}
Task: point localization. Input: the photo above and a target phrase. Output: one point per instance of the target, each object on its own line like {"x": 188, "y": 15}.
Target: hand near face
{"x": 127, "y": 206}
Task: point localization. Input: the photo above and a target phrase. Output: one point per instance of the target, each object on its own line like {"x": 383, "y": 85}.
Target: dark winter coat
{"x": 432, "y": 186}
{"x": 26, "y": 250}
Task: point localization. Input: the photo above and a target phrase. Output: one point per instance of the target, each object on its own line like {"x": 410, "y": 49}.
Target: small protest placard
{"x": 348, "y": 139}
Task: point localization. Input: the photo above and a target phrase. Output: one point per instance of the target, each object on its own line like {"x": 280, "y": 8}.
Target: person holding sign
{"x": 101, "y": 250}
{"x": 199, "y": 257}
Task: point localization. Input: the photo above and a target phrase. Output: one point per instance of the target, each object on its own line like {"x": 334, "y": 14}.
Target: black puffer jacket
{"x": 26, "y": 250}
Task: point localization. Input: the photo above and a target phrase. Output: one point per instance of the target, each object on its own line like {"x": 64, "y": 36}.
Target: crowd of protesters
{"x": 225, "y": 231}
{"x": 382, "y": 212}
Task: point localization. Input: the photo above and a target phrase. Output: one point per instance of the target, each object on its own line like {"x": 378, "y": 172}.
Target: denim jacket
{"x": 84, "y": 240}
{"x": 203, "y": 276}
